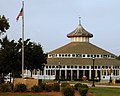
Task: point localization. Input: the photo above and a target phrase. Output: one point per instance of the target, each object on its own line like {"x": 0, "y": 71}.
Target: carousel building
{"x": 80, "y": 58}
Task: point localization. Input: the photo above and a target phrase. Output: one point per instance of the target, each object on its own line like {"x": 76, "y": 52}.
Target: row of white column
{"x": 71, "y": 71}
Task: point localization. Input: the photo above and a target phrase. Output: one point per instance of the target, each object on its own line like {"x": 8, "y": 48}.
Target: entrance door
{"x": 68, "y": 74}
{"x": 57, "y": 74}
{"x": 99, "y": 75}
{"x": 74, "y": 74}
{"x": 62, "y": 74}
{"x": 87, "y": 74}
{"x": 80, "y": 74}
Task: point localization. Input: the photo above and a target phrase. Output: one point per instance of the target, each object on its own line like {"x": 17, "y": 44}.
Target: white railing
{"x": 44, "y": 77}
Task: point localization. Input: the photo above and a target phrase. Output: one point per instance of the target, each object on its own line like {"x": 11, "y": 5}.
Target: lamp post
{"x": 93, "y": 84}
{"x": 59, "y": 72}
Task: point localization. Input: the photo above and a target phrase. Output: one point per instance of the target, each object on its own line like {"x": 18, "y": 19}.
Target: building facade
{"x": 80, "y": 58}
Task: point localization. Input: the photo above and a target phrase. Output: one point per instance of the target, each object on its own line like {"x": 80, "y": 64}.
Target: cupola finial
{"x": 79, "y": 20}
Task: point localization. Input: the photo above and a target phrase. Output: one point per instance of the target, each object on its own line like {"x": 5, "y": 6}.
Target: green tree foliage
{"x": 34, "y": 55}
{"x": 9, "y": 56}
{"x": 4, "y": 24}
{"x": 11, "y": 53}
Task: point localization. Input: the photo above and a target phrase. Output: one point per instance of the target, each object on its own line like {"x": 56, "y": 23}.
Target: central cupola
{"x": 80, "y": 34}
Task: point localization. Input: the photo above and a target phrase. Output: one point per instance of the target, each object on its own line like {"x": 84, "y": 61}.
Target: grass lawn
{"x": 105, "y": 91}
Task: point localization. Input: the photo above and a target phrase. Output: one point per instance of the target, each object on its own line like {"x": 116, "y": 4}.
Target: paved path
{"x": 96, "y": 85}
{"x": 112, "y": 86}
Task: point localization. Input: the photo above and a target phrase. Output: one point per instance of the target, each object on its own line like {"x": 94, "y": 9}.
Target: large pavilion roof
{"x": 83, "y": 61}
{"x": 80, "y": 48}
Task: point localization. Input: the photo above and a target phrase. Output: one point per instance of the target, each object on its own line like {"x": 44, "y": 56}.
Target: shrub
{"x": 84, "y": 86}
{"x": 20, "y": 88}
{"x": 65, "y": 84}
{"x": 77, "y": 85}
{"x": 83, "y": 89}
{"x": 68, "y": 91}
{"x": 1, "y": 80}
{"x": 36, "y": 88}
{"x": 5, "y": 87}
{"x": 48, "y": 87}
{"x": 56, "y": 87}
{"x": 42, "y": 85}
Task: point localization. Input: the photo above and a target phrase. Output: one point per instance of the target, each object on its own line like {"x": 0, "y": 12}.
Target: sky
{"x": 49, "y": 21}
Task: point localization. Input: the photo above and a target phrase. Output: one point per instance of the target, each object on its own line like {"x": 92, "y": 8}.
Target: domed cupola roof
{"x": 80, "y": 32}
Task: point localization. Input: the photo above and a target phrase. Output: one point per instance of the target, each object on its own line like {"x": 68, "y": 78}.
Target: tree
{"x": 4, "y": 24}
{"x": 10, "y": 56}
{"x": 38, "y": 58}
{"x": 9, "y": 52}
{"x": 35, "y": 58}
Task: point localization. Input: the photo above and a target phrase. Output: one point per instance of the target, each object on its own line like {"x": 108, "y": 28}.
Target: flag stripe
{"x": 20, "y": 14}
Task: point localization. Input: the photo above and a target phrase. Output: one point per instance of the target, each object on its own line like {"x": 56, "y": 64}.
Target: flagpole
{"x": 23, "y": 40}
